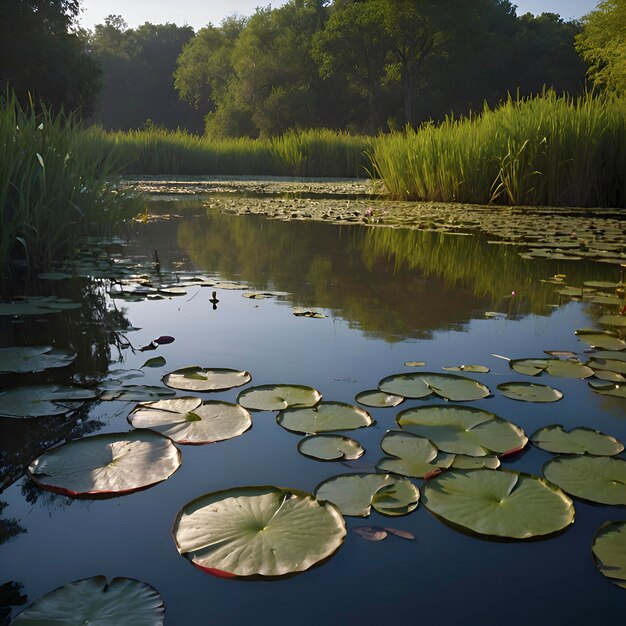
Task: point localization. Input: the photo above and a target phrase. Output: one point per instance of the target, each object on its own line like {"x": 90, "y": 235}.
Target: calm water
{"x": 390, "y": 296}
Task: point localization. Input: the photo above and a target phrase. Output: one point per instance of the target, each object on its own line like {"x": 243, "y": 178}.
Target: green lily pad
{"x": 609, "y": 551}
{"x": 188, "y": 420}
{"x": 263, "y": 531}
{"x": 324, "y": 417}
{"x": 411, "y": 455}
{"x": 600, "y": 284}
{"x": 529, "y": 367}
{"x": 133, "y": 393}
{"x": 301, "y": 312}
{"x": 278, "y": 397}
{"x": 463, "y": 430}
{"x": 34, "y": 358}
{"x": 604, "y": 388}
{"x": 378, "y": 399}
{"x": 197, "y": 378}
{"x": 330, "y": 448}
{"x": 577, "y": 441}
{"x": 595, "y": 478}
{"x": 609, "y": 376}
{"x": 604, "y": 340}
{"x": 22, "y": 308}
{"x": 423, "y": 384}
{"x": 568, "y": 369}
{"x": 609, "y": 355}
{"x": 529, "y": 392}
{"x": 464, "y": 462}
{"x": 42, "y": 400}
{"x": 476, "y": 369}
{"x": 110, "y": 464}
{"x": 355, "y": 494}
{"x": 157, "y": 361}
{"x": 123, "y": 601}
{"x": 613, "y": 320}
{"x": 499, "y": 503}
{"x": 610, "y": 365}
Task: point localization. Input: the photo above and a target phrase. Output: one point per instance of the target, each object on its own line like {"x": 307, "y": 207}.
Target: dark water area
{"x": 390, "y": 296}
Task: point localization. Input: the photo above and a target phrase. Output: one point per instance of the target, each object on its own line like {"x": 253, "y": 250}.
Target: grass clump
{"x": 548, "y": 150}
{"x": 55, "y": 186}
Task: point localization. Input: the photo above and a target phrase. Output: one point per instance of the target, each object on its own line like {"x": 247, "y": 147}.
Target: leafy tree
{"x": 602, "y": 44}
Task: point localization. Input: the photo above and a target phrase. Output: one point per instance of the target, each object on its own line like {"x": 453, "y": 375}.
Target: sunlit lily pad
{"x": 528, "y": 367}
{"x": 278, "y": 397}
{"x": 330, "y": 448}
{"x": 123, "y": 601}
{"x": 577, "y": 441}
{"x": 314, "y": 313}
{"x": 188, "y": 420}
{"x": 197, "y": 378}
{"x": 610, "y": 365}
{"x": 476, "y": 369}
{"x": 529, "y": 392}
{"x": 605, "y": 340}
{"x": 609, "y": 355}
{"x": 42, "y": 400}
{"x": 423, "y": 384}
{"x": 609, "y": 376}
{"x": 609, "y": 551}
{"x": 109, "y": 464}
{"x": 499, "y": 503}
{"x": 378, "y": 399}
{"x": 34, "y": 358}
{"x": 600, "y": 284}
{"x": 596, "y": 478}
{"x": 355, "y": 494}
{"x": 605, "y": 388}
{"x": 464, "y": 462}
{"x": 411, "y": 455}
{"x": 324, "y": 417}
{"x": 613, "y": 320}
{"x": 463, "y": 430}
{"x": 568, "y": 369}
{"x": 266, "y": 531}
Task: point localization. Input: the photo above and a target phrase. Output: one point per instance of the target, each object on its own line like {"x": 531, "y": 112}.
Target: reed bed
{"x": 55, "y": 186}
{"x": 548, "y": 150}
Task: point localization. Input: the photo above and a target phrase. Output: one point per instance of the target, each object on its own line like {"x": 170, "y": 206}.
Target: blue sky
{"x": 198, "y": 13}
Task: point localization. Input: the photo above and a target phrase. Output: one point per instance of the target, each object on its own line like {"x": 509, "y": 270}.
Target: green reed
{"x": 54, "y": 185}
{"x": 548, "y": 150}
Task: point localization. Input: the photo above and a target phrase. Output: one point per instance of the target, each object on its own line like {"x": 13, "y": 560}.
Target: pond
{"x": 386, "y": 297}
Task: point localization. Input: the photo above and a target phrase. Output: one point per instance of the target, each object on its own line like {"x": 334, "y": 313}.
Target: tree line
{"x": 361, "y": 65}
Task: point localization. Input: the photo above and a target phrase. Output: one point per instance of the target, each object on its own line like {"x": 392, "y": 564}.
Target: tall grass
{"x": 548, "y": 150}
{"x": 55, "y": 185}
{"x": 315, "y": 152}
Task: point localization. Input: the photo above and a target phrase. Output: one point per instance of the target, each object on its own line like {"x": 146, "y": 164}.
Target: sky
{"x": 199, "y": 13}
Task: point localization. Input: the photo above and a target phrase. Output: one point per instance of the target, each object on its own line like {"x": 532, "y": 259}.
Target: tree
{"x": 43, "y": 55}
{"x": 602, "y": 44}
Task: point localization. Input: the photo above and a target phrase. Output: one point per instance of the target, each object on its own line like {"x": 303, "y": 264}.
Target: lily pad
{"x": 370, "y": 533}
{"x": 609, "y": 551}
{"x": 568, "y": 369}
{"x": 604, "y": 340}
{"x": 604, "y": 388}
{"x": 123, "y": 601}
{"x": 43, "y": 400}
{"x": 476, "y": 369}
{"x": 378, "y": 399}
{"x": 157, "y": 361}
{"x": 613, "y": 320}
{"x": 355, "y": 494}
{"x": 463, "y": 430}
{"x": 314, "y": 313}
{"x": 188, "y": 420}
{"x": 109, "y": 464}
{"x": 278, "y": 397}
{"x": 412, "y": 456}
{"x": 266, "y": 531}
{"x": 423, "y": 384}
{"x": 34, "y": 358}
{"x": 415, "y": 363}
{"x": 499, "y": 503}
{"x": 577, "y": 441}
{"x": 610, "y": 365}
{"x": 197, "y": 378}
{"x": 324, "y": 417}
{"x": 330, "y": 448}
{"x": 529, "y": 392}
{"x": 464, "y": 462}
{"x": 595, "y": 478}
{"x": 133, "y": 393}
{"x": 529, "y": 367}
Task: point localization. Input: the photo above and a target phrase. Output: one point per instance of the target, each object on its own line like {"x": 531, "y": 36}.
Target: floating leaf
{"x": 379, "y": 399}
{"x": 613, "y": 320}
{"x": 568, "y": 369}
{"x": 278, "y": 397}
{"x": 609, "y": 355}
{"x": 34, "y": 358}
{"x": 266, "y": 531}
{"x": 464, "y": 462}
{"x": 577, "y": 441}
{"x": 54, "y": 276}
{"x": 609, "y": 551}
{"x": 330, "y": 448}
{"x": 114, "y": 463}
{"x": 164, "y": 340}
{"x": 607, "y": 375}
{"x": 611, "y": 365}
{"x": 188, "y": 420}
{"x": 604, "y": 388}
{"x": 412, "y": 456}
{"x": 476, "y": 369}
{"x": 195, "y": 378}
{"x": 604, "y": 340}
{"x": 415, "y": 363}
{"x": 561, "y": 354}
{"x": 422, "y": 384}
{"x": 499, "y": 503}
{"x": 42, "y": 400}
{"x": 529, "y": 367}
{"x": 300, "y": 312}
{"x": 370, "y": 533}
{"x": 355, "y": 494}
{"x": 123, "y": 602}
{"x": 463, "y": 430}
{"x": 157, "y": 361}
{"x": 596, "y": 478}
{"x": 324, "y": 417}
{"x": 600, "y": 284}
{"x": 403, "y": 534}
{"x": 133, "y": 393}
{"x": 529, "y": 392}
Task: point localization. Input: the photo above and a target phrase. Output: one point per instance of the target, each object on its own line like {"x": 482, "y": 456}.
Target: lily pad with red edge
{"x": 123, "y": 602}
{"x": 257, "y": 531}
{"x": 106, "y": 465}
